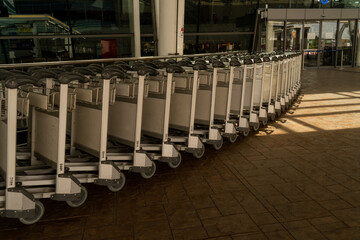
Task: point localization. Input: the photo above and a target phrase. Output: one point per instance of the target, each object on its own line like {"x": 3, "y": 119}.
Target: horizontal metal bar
{"x": 107, "y": 60}
{"x": 69, "y": 36}
{"x": 218, "y": 33}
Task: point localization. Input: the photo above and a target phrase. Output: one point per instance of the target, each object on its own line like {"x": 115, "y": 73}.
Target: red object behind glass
{"x": 108, "y": 48}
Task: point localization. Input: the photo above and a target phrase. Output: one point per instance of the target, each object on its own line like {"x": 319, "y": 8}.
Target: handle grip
{"x": 43, "y": 73}
{"x": 173, "y": 68}
{"x": 67, "y": 77}
{"x": 14, "y": 82}
{"x": 143, "y": 70}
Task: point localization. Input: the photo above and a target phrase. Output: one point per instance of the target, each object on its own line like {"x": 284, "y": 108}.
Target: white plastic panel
{"x": 122, "y": 121}
{"x": 180, "y": 110}
{"x": 153, "y": 115}
{"x": 87, "y": 127}
{"x": 221, "y": 101}
{"x": 203, "y": 104}
{"x": 46, "y": 135}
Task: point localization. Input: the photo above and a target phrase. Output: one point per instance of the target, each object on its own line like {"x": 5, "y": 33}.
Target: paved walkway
{"x": 297, "y": 179}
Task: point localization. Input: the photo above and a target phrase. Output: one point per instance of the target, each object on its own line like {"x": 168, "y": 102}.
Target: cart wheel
{"x": 264, "y": 122}
{"x": 246, "y": 132}
{"x": 272, "y": 117}
{"x": 278, "y": 114}
{"x": 120, "y": 185}
{"x": 176, "y": 162}
{"x": 232, "y": 138}
{"x": 199, "y": 153}
{"x": 80, "y": 200}
{"x": 218, "y": 144}
{"x": 149, "y": 172}
{"x": 39, "y": 212}
{"x": 256, "y": 127}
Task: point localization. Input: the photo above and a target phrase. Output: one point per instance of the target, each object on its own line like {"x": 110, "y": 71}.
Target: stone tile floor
{"x": 299, "y": 178}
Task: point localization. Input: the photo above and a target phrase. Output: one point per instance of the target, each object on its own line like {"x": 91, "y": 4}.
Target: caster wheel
{"x": 39, "y": 212}
{"x": 217, "y": 146}
{"x": 118, "y": 187}
{"x": 232, "y": 138}
{"x": 149, "y": 172}
{"x": 272, "y": 117}
{"x": 175, "y": 163}
{"x": 199, "y": 153}
{"x": 264, "y": 122}
{"x": 80, "y": 200}
{"x": 256, "y": 127}
{"x": 246, "y": 132}
{"x": 278, "y": 114}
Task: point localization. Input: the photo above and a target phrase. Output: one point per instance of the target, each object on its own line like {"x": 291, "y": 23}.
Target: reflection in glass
{"x": 311, "y": 42}
{"x": 345, "y": 41}
{"x": 219, "y": 15}
{"x": 208, "y": 44}
{"x": 274, "y": 36}
{"x": 328, "y": 43}
{"x": 294, "y": 32}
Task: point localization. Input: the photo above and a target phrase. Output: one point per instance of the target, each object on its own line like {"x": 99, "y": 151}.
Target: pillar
{"x": 171, "y": 27}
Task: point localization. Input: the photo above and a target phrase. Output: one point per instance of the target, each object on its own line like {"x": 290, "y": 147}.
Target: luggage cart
{"x": 107, "y": 112}
{"x": 24, "y": 185}
{"x": 279, "y": 103}
{"x": 239, "y": 89}
{"x": 182, "y": 111}
{"x": 205, "y": 106}
{"x": 273, "y": 88}
{"x": 156, "y": 115}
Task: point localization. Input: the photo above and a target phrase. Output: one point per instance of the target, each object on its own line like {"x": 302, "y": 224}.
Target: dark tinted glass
{"x": 219, "y": 15}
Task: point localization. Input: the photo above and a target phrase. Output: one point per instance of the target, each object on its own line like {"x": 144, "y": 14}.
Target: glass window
{"x": 275, "y": 36}
{"x": 328, "y": 43}
{"x": 208, "y": 44}
{"x": 311, "y": 42}
{"x": 146, "y": 21}
{"x": 294, "y": 33}
{"x": 147, "y": 46}
{"x": 345, "y": 41}
{"x": 219, "y": 15}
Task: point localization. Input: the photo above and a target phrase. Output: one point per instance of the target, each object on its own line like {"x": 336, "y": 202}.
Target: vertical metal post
{"x": 213, "y": 97}
{"x": 139, "y": 110}
{"x": 167, "y": 106}
{"x": 243, "y": 92}
{"x": 285, "y": 26}
{"x": 193, "y": 101}
{"x": 319, "y": 44}
{"x": 342, "y": 59}
{"x": 11, "y": 138}
{"x": 228, "y": 104}
{"x": 62, "y": 129}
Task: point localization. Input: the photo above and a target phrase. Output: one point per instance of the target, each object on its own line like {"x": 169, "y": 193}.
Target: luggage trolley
{"x": 156, "y": 116}
{"x": 224, "y": 97}
{"x": 279, "y": 103}
{"x": 205, "y": 106}
{"x": 50, "y": 108}
{"x": 24, "y": 187}
{"x": 272, "y": 96}
{"x": 239, "y": 89}
{"x": 182, "y": 111}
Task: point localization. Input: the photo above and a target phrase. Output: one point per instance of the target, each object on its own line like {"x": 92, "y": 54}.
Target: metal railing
{"x": 108, "y": 60}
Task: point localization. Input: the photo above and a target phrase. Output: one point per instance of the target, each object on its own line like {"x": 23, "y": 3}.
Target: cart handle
{"x": 235, "y": 63}
{"x": 143, "y": 70}
{"x": 266, "y": 59}
{"x": 57, "y": 70}
{"x": 111, "y": 72}
{"x": 224, "y": 59}
{"x": 43, "y": 73}
{"x": 248, "y": 61}
{"x": 15, "y": 71}
{"x": 173, "y": 68}
{"x": 33, "y": 69}
{"x": 218, "y": 64}
{"x": 124, "y": 67}
{"x": 171, "y": 61}
{"x": 161, "y": 64}
{"x": 184, "y": 63}
{"x": 67, "y": 77}
{"x": 95, "y": 68}
{"x": 84, "y": 70}
{"x": 199, "y": 66}
{"x": 14, "y": 82}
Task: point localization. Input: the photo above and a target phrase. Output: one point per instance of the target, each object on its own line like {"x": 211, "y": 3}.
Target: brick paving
{"x": 298, "y": 178}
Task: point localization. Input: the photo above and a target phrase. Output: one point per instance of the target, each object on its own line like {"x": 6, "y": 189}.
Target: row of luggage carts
{"x": 65, "y": 126}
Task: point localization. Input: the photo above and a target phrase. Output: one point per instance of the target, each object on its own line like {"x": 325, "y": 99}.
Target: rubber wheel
{"x": 272, "y": 118}
{"x": 39, "y": 212}
{"x": 256, "y": 127}
{"x": 264, "y": 122}
{"x": 232, "y": 138}
{"x": 118, "y": 187}
{"x": 217, "y": 146}
{"x": 175, "y": 163}
{"x": 149, "y": 172}
{"x": 80, "y": 200}
{"x": 278, "y": 114}
{"x": 199, "y": 153}
{"x": 246, "y": 132}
